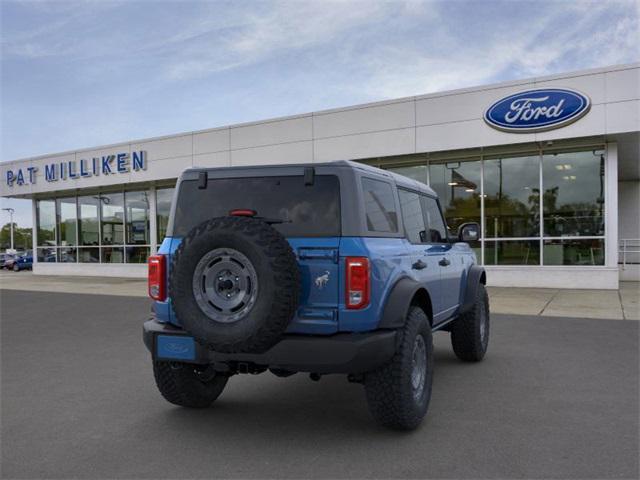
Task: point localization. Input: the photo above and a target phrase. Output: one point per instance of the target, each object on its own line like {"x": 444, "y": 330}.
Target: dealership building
{"x": 549, "y": 166}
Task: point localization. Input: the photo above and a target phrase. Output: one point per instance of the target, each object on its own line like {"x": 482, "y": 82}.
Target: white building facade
{"x": 550, "y": 168}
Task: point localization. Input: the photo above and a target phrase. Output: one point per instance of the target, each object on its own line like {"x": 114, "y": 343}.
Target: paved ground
{"x": 609, "y": 304}
{"x": 605, "y": 304}
{"x": 554, "y": 398}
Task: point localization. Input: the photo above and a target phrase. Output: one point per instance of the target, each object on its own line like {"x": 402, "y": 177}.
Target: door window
{"x": 412, "y": 216}
{"x": 380, "y": 206}
{"x": 436, "y": 229}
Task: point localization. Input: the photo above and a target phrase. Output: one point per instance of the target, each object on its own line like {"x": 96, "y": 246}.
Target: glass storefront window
{"x": 46, "y": 218}
{"x": 89, "y": 255}
{"x": 112, "y": 255}
{"x": 93, "y": 228}
{"x": 137, "y": 254}
{"x": 163, "y": 208}
{"x": 417, "y": 172}
{"x": 67, "y": 255}
{"x": 512, "y": 197}
{"x": 573, "y": 198}
{"x": 67, "y": 221}
{"x": 574, "y": 252}
{"x": 88, "y": 226}
{"x": 512, "y": 252}
{"x": 137, "y": 218}
{"x": 112, "y": 218}
{"x": 46, "y": 255}
{"x": 458, "y": 187}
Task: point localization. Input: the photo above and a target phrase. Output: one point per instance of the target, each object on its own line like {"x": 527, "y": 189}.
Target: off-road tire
{"x": 467, "y": 339}
{"x": 180, "y": 384}
{"x": 278, "y": 284}
{"x": 16, "y": 268}
{"x": 389, "y": 391}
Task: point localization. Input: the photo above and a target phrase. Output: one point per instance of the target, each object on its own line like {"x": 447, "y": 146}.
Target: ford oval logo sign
{"x": 537, "y": 110}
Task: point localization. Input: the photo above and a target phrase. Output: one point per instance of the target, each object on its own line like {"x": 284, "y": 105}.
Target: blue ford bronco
{"x": 323, "y": 268}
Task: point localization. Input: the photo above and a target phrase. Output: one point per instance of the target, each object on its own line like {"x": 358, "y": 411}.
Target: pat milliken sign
{"x": 537, "y": 110}
{"x": 105, "y": 165}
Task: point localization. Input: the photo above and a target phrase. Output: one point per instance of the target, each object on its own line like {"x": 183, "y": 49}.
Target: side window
{"x": 437, "y": 231}
{"x": 412, "y": 216}
{"x": 380, "y": 206}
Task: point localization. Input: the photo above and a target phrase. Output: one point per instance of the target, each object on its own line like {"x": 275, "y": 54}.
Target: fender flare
{"x": 475, "y": 277}
{"x": 398, "y": 302}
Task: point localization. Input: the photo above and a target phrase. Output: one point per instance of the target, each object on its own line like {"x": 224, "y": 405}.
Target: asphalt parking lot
{"x": 555, "y": 397}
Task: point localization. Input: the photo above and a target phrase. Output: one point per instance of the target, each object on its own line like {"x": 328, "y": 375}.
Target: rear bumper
{"x": 339, "y": 353}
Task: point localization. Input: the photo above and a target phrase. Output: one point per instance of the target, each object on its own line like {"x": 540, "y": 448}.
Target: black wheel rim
{"x": 418, "y": 367}
{"x": 225, "y": 285}
{"x": 483, "y": 326}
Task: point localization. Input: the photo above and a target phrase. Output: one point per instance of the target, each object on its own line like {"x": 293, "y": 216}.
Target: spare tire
{"x": 234, "y": 284}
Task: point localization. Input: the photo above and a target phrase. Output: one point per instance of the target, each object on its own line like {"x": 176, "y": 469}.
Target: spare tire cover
{"x": 234, "y": 284}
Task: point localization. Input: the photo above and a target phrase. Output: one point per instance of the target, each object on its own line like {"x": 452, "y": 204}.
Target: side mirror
{"x": 468, "y": 232}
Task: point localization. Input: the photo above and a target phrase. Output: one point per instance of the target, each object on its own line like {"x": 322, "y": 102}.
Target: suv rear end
{"x": 317, "y": 209}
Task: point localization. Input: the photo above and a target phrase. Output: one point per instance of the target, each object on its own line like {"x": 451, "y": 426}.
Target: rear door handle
{"x": 419, "y": 265}
{"x": 444, "y": 262}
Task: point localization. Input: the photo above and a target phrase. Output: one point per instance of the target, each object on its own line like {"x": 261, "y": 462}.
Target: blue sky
{"x": 80, "y": 74}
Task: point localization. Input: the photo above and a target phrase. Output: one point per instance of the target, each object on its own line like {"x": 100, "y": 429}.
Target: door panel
{"x": 439, "y": 249}
{"x": 451, "y": 275}
{"x": 424, "y": 257}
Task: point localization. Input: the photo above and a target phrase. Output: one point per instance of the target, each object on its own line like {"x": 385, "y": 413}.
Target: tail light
{"x": 358, "y": 283}
{"x": 157, "y": 276}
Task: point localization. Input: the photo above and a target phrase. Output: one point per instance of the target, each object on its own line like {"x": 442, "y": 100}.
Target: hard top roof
{"x": 400, "y": 180}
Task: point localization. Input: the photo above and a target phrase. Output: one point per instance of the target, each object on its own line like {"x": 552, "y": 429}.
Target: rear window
{"x": 307, "y": 210}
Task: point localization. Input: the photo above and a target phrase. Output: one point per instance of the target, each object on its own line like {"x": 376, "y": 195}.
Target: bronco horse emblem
{"x": 322, "y": 280}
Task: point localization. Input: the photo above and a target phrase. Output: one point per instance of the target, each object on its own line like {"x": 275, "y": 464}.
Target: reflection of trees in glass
{"x": 461, "y": 210}
{"x": 511, "y": 197}
{"x": 508, "y": 217}
{"x": 21, "y": 237}
{"x": 46, "y": 222}
{"x": 577, "y": 179}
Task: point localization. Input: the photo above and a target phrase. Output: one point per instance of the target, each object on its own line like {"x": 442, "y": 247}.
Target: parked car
{"x": 7, "y": 262}
{"x": 23, "y": 262}
{"x": 324, "y": 268}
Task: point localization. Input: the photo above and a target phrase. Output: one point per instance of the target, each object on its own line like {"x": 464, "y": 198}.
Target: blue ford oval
{"x": 537, "y": 110}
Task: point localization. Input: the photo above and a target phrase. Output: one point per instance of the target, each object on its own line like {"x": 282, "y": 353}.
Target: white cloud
{"x": 286, "y": 27}
{"x": 525, "y": 48}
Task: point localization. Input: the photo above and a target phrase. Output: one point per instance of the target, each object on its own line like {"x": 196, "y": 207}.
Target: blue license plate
{"x": 175, "y": 347}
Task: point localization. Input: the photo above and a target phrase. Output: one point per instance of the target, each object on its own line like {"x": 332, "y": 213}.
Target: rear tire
{"x": 16, "y": 268}
{"x": 398, "y": 393}
{"x": 470, "y": 332}
{"x": 184, "y": 385}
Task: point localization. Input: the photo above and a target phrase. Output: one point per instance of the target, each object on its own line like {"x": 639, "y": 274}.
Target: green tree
{"x": 21, "y": 237}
